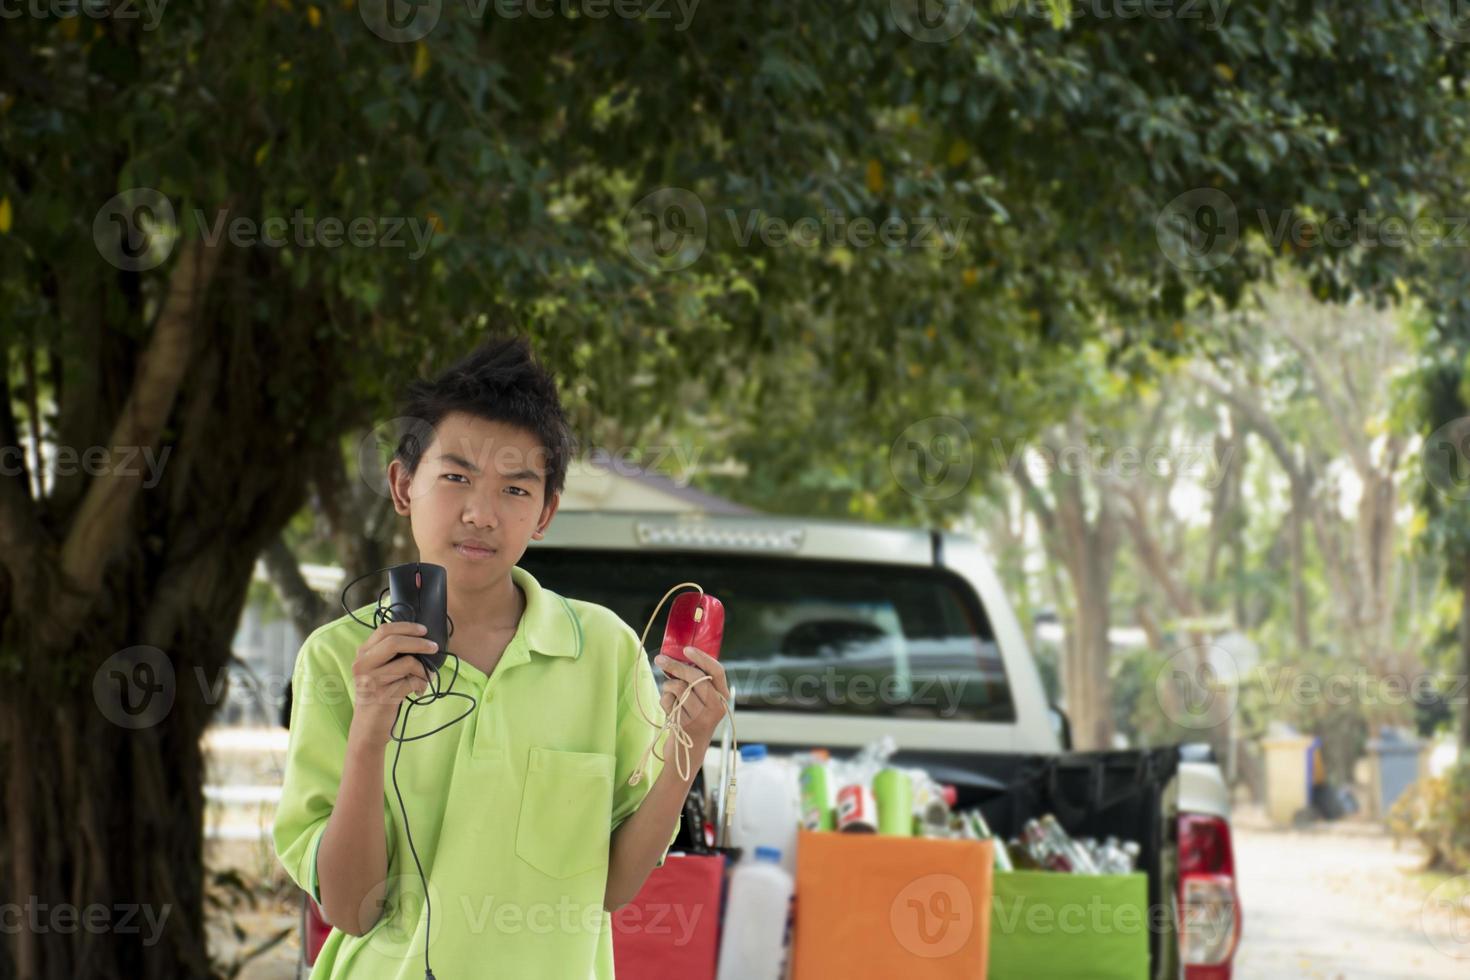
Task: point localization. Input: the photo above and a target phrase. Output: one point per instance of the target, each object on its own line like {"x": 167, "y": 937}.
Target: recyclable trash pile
{"x": 777, "y": 798}
{"x": 872, "y": 796}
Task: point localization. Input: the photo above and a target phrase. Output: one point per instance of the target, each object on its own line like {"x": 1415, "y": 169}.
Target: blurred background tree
{"x": 562, "y": 176}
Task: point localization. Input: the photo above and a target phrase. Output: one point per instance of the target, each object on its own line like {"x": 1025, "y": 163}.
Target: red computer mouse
{"x": 696, "y": 619}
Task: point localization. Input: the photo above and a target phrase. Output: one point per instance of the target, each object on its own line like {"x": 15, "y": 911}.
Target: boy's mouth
{"x": 474, "y": 552}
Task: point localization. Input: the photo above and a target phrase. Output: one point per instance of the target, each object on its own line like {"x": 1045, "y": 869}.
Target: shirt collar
{"x": 548, "y": 623}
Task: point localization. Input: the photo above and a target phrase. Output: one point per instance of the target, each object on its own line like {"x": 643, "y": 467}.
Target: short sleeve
{"x": 316, "y": 751}
{"x": 634, "y": 733}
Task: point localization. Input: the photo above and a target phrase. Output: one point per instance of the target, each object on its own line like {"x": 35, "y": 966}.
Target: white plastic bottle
{"x": 753, "y": 941}
{"x": 767, "y": 805}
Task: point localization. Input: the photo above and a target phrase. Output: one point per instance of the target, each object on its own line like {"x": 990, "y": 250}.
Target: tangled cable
{"x": 398, "y": 612}
{"x": 673, "y": 721}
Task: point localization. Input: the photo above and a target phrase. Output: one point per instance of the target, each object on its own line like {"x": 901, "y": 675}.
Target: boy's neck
{"x": 497, "y": 608}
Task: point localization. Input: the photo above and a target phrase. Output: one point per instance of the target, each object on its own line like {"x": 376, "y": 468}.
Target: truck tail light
{"x": 1208, "y": 901}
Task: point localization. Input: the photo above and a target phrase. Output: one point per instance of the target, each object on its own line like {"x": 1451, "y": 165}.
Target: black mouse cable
{"x": 387, "y": 614}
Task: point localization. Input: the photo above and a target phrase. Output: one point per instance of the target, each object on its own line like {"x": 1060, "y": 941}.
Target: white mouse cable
{"x": 672, "y": 721}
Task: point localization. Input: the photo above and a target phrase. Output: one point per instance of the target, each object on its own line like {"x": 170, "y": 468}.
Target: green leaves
{"x": 1056, "y": 138}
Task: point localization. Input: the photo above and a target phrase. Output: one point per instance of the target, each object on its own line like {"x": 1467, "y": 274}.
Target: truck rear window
{"x": 807, "y": 636}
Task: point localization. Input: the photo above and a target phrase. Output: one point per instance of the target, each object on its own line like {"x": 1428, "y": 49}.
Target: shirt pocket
{"x": 566, "y": 812}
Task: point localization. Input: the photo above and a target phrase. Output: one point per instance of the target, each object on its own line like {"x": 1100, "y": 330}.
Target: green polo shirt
{"x": 511, "y": 809}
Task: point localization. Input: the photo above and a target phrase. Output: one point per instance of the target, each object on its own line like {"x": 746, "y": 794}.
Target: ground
{"x": 1338, "y": 900}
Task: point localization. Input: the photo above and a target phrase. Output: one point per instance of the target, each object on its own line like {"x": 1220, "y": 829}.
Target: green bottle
{"x": 1002, "y": 854}
{"x": 816, "y": 796}
{"x": 894, "y": 792}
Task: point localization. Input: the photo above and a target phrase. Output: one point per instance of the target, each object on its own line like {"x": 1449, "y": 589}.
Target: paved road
{"x": 1338, "y": 901}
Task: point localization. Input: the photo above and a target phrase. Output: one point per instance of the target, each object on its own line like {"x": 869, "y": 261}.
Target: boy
{"x": 521, "y": 815}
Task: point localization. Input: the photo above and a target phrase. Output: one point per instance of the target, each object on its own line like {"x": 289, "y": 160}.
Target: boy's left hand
{"x": 702, "y": 709}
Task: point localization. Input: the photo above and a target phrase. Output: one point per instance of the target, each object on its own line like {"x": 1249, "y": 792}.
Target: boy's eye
{"x": 519, "y": 491}
{"x": 454, "y": 476}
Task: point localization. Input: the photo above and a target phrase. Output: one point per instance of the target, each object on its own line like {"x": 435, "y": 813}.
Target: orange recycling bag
{"x": 877, "y": 906}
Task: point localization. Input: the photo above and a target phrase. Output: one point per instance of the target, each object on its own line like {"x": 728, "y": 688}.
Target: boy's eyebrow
{"x": 460, "y": 461}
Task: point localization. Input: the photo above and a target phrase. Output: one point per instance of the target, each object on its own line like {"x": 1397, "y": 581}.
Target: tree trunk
{"x": 1300, "y": 625}
{"x": 116, "y": 640}
{"x": 1090, "y": 698}
{"x": 104, "y": 804}
{"x": 1465, "y": 655}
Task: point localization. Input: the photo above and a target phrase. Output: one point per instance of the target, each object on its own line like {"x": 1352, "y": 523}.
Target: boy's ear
{"x": 547, "y": 513}
{"x": 399, "y": 483}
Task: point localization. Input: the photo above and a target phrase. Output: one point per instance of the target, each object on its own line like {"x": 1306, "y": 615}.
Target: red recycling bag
{"x": 671, "y": 929}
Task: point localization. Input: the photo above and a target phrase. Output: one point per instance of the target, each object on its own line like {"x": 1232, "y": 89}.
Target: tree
{"x": 1443, "y": 412}
{"x": 1316, "y": 383}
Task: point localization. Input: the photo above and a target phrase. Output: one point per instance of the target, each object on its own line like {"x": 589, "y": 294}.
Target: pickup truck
{"x": 840, "y": 633}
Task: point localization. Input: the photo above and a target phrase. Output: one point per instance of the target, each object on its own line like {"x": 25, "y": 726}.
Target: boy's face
{"x": 477, "y": 498}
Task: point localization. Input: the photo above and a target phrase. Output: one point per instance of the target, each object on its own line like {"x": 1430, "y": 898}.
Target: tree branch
{"x": 307, "y": 609}
{"x": 101, "y": 521}
{"x": 1348, "y": 417}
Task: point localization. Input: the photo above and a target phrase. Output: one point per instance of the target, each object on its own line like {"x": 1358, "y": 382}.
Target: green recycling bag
{"x": 1068, "y": 927}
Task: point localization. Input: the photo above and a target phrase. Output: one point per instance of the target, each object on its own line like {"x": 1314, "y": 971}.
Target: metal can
{"x": 857, "y": 811}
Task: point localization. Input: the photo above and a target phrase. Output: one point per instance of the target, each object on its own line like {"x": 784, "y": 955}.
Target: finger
{"x": 401, "y": 628}
{"x": 391, "y": 646}
{"x": 387, "y": 641}
{"x": 693, "y": 699}
{"x": 403, "y": 667}
{"x": 675, "y": 668}
{"x": 672, "y": 689}
{"x": 391, "y": 693}
{"x": 701, "y": 700}
{"x": 710, "y": 666}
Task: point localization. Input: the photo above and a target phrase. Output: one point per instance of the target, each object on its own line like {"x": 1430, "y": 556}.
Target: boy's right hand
{"x": 381, "y": 682}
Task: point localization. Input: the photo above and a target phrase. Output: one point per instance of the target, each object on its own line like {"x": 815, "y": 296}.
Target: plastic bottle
{"x": 769, "y": 808}
{"x": 817, "y": 799}
{"x": 895, "y": 796}
{"x": 752, "y": 945}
